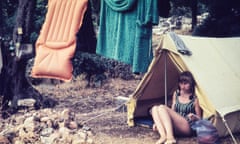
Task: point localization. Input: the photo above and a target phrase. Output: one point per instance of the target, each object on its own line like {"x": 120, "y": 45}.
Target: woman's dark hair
{"x": 187, "y": 77}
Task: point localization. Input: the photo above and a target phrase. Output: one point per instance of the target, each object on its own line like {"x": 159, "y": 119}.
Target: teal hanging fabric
{"x": 120, "y": 5}
{"x": 125, "y": 31}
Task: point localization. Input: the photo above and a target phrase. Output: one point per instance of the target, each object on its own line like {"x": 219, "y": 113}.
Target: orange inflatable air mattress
{"x": 56, "y": 43}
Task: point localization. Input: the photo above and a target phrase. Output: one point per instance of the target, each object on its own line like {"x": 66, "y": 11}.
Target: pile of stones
{"x": 46, "y": 126}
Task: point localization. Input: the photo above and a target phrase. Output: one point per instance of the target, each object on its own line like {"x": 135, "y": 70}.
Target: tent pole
{"x": 229, "y": 130}
{"x": 165, "y": 76}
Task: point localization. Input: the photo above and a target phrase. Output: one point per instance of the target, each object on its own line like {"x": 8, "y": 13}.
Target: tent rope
{"x": 104, "y": 113}
{"x": 229, "y": 130}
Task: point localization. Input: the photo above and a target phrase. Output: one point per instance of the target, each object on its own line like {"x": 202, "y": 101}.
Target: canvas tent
{"x": 215, "y": 65}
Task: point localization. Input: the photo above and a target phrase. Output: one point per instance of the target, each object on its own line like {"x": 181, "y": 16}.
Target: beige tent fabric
{"x": 215, "y": 65}
{"x": 57, "y": 41}
{"x": 181, "y": 62}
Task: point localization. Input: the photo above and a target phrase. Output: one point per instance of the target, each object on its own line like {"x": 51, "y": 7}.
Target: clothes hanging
{"x": 125, "y": 31}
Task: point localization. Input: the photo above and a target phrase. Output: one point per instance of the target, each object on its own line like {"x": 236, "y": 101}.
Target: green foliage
{"x": 224, "y": 20}
{"x": 183, "y": 7}
{"x": 202, "y": 8}
{"x": 8, "y": 10}
{"x": 39, "y": 17}
{"x": 226, "y": 26}
{"x": 181, "y": 11}
{"x": 224, "y": 17}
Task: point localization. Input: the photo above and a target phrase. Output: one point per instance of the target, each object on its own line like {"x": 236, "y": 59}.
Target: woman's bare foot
{"x": 162, "y": 140}
{"x": 170, "y": 141}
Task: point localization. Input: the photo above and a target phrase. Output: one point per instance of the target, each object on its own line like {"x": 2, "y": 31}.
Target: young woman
{"x": 185, "y": 109}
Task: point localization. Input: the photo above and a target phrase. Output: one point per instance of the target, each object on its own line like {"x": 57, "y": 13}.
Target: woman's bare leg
{"x": 179, "y": 123}
{"x": 166, "y": 120}
{"x": 159, "y": 124}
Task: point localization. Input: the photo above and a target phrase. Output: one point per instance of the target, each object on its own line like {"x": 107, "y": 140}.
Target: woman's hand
{"x": 193, "y": 117}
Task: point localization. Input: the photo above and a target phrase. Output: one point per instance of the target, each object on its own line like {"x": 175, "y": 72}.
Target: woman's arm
{"x": 173, "y": 101}
{"x": 198, "y": 109}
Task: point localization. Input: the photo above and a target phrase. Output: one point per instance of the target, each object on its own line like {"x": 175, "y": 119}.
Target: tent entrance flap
{"x": 169, "y": 67}
{"x": 159, "y": 89}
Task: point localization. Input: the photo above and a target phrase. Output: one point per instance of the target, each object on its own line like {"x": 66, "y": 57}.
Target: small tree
{"x": 186, "y": 8}
{"x": 16, "y": 85}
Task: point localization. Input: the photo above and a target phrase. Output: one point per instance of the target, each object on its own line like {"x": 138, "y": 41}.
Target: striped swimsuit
{"x": 184, "y": 108}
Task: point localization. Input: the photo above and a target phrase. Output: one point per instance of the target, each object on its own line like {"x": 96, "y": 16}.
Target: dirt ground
{"x": 96, "y": 108}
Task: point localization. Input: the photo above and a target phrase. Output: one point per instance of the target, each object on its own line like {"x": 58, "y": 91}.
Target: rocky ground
{"x": 84, "y": 111}
{"x": 82, "y": 115}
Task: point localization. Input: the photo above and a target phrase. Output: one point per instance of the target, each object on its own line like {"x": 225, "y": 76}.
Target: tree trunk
{"x": 16, "y": 85}
{"x": 24, "y": 21}
{"x": 194, "y": 13}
